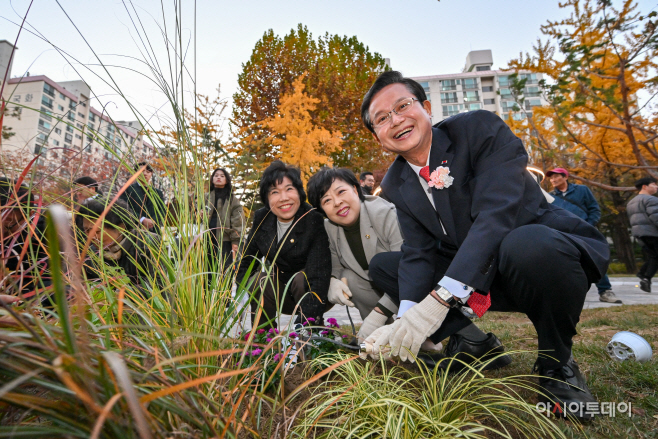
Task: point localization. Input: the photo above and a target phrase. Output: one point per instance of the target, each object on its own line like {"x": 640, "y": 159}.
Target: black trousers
{"x": 540, "y": 274}
{"x": 650, "y": 252}
{"x": 275, "y": 298}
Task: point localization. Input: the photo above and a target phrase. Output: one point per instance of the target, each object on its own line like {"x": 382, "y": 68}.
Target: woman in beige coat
{"x": 359, "y": 227}
{"x": 226, "y": 217}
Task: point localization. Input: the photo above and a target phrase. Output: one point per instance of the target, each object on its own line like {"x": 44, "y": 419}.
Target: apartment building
{"x": 479, "y": 87}
{"x": 55, "y": 118}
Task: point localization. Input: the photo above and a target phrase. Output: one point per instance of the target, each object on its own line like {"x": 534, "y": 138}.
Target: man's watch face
{"x": 444, "y": 294}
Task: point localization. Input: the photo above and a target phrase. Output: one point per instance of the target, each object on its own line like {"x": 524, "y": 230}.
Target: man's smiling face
{"x": 409, "y": 134}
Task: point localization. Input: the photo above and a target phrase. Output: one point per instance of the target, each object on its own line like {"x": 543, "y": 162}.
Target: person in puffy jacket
{"x": 643, "y": 214}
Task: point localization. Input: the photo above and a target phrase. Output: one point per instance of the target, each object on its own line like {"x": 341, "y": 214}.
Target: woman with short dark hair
{"x": 226, "y": 216}
{"x": 291, "y": 237}
{"x": 359, "y": 227}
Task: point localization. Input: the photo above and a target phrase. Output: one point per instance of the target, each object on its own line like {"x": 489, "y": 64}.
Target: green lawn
{"x": 610, "y": 381}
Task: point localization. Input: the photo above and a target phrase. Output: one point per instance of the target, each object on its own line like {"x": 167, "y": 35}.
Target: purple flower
{"x": 332, "y": 321}
{"x": 311, "y": 320}
{"x": 305, "y": 324}
{"x": 273, "y": 331}
{"x": 267, "y": 340}
{"x": 246, "y": 336}
{"x": 256, "y": 352}
{"x": 260, "y": 331}
{"x": 324, "y": 332}
{"x": 292, "y": 335}
{"x": 278, "y": 356}
{"x": 345, "y": 336}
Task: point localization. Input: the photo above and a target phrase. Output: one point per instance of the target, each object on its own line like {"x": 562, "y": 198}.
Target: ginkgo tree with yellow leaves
{"x": 601, "y": 121}
{"x": 295, "y": 138}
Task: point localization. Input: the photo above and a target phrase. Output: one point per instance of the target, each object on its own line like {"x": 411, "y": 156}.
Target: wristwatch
{"x": 447, "y": 297}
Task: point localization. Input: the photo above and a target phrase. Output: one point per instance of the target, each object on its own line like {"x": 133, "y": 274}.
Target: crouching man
{"x": 477, "y": 230}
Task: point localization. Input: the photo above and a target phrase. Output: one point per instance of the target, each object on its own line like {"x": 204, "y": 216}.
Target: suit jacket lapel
{"x": 414, "y": 197}
{"x": 369, "y": 244}
{"x": 440, "y": 157}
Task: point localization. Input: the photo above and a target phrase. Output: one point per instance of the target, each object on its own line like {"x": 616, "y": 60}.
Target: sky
{"x": 65, "y": 39}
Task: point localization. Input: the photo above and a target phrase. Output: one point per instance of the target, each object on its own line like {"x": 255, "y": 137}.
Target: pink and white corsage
{"x": 440, "y": 179}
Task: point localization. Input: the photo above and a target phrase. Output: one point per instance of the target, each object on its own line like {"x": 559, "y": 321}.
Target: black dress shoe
{"x": 645, "y": 284}
{"x": 565, "y": 389}
{"x": 471, "y": 352}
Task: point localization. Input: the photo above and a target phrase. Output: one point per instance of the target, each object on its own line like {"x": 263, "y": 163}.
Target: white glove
{"x": 373, "y": 321}
{"x": 339, "y": 293}
{"x": 372, "y": 341}
{"x": 416, "y": 324}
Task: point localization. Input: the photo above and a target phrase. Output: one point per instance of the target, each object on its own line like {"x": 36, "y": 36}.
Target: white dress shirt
{"x": 455, "y": 287}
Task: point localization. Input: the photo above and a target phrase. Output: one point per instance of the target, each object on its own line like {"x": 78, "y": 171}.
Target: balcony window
{"x": 473, "y": 107}
{"x": 449, "y": 97}
{"x": 509, "y": 106}
{"x": 69, "y": 129}
{"x": 470, "y": 83}
{"x": 46, "y": 114}
{"x": 44, "y": 126}
{"x": 62, "y": 97}
{"x": 40, "y": 149}
{"x": 68, "y": 138}
{"x": 471, "y": 96}
{"x": 58, "y": 131}
{"x": 449, "y": 84}
{"x": 482, "y": 68}
{"x": 49, "y": 90}
{"x": 503, "y": 81}
{"x": 487, "y": 88}
{"x": 505, "y": 93}
{"x": 56, "y": 142}
{"x": 451, "y": 110}
{"x": 80, "y": 115}
{"x": 71, "y": 115}
{"x": 489, "y": 102}
{"x": 92, "y": 118}
{"x": 426, "y": 86}
{"x": 46, "y": 101}
{"x": 531, "y": 78}
{"x": 531, "y": 92}
{"x": 529, "y": 103}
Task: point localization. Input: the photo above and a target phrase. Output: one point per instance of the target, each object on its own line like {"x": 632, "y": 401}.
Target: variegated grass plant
{"x": 375, "y": 399}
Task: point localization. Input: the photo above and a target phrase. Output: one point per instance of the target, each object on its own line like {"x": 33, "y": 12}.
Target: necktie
{"x": 479, "y": 303}
{"x": 425, "y": 173}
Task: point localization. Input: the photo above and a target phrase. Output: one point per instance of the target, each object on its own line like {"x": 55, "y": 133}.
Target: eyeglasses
{"x": 401, "y": 107}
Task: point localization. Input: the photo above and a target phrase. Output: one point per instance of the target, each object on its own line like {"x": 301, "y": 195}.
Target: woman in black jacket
{"x": 290, "y": 235}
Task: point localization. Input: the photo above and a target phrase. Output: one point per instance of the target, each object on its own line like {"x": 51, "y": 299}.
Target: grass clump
{"x": 378, "y": 400}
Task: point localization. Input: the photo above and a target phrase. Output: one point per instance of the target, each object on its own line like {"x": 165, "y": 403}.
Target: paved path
{"x": 626, "y": 288}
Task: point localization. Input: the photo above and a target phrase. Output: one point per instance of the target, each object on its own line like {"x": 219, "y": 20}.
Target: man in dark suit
{"x": 477, "y": 230}
{"x": 146, "y": 201}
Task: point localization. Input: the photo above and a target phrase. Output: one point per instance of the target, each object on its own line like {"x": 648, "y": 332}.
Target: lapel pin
{"x": 444, "y": 162}
{"x": 292, "y": 240}
{"x": 367, "y": 236}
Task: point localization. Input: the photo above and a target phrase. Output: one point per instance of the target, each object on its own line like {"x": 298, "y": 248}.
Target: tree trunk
{"x": 619, "y": 228}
